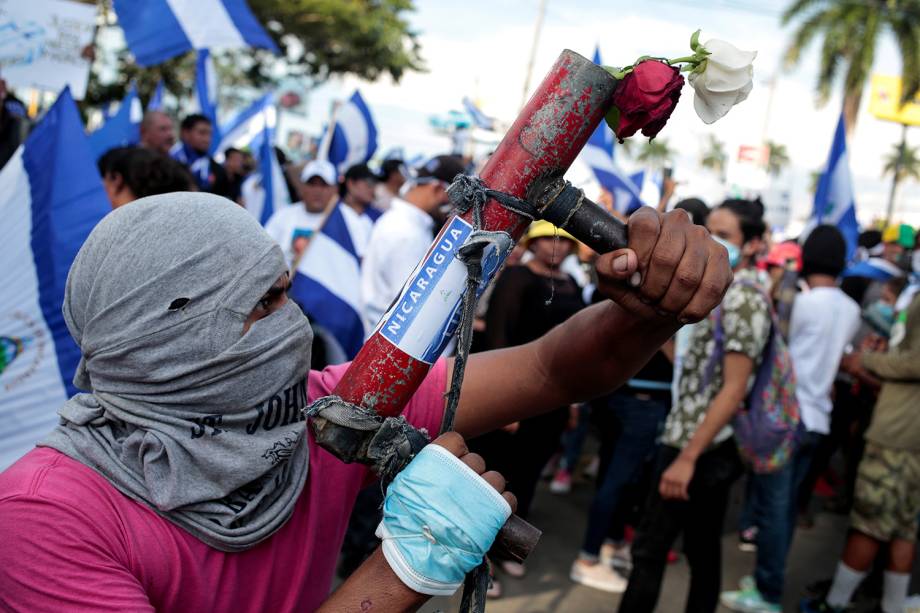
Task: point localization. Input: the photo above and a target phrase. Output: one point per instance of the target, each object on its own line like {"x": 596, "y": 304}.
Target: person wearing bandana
{"x": 185, "y": 477}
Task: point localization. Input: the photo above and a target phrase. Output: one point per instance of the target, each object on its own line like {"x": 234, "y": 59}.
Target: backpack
{"x": 767, "y": 426}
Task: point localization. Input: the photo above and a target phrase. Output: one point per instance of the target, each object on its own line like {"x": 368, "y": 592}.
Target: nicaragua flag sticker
{"x": 423, "y": 319}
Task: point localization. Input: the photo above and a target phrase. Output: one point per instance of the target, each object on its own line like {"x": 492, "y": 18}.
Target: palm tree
{"x": 714, "y": 156}
{"x": 902, "y": 163}
{"x": 851, "y": 30}
{"x": 778, "y": 158}
{"x": 655, "y": 153}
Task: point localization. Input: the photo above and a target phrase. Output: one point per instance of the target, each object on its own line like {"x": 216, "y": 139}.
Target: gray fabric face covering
{"x": 185, "y": 413}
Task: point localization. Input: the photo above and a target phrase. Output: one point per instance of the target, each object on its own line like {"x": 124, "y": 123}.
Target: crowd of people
{"x": 813, "y": 350}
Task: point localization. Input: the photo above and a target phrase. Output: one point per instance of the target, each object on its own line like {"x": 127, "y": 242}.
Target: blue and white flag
{"x": 834, "y": 202}
{"x": 480, "y": 119}
{"x": 156, "y": 100}
{"x": 354, "y": 139}
{"x": 51, "y": 197}
{"x": 877, "y": 269}
{"x": 598, "y": 155}
{"x": 266, "y": 191}
{"x": 327, "y": 283}
{"x": 122, "y": 129}
{"x": 206, "y": 92}
{"x": 157, "y": 30}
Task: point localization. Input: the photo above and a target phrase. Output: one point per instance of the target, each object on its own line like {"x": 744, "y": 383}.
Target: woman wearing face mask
{"x": 698, "y": 462}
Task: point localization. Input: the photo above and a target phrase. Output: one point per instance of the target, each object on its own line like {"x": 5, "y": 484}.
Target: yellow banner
{"x": 885, "y": 101}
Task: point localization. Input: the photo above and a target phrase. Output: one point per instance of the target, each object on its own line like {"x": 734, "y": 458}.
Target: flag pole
{"x": 322, "y": 153}
{"x": 541, "y": 12}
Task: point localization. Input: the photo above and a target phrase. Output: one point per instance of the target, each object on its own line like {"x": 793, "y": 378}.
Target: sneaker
{"x": 617, "y": 556}
{"x": 561, "y": 483}
{"x": 748, "y": 601}
{"x": 599, "y": 576}
{"x": 747, "y": 540}
{"x": 608, "y": 551}
{"x": 512, "y": 568}
{"x": 622, "y": 558}
{"x": 592, "y": 467}
{"x": 817, "y": 605}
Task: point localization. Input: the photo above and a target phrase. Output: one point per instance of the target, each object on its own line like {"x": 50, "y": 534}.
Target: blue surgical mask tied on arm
{"x": 439, "y": 520}
{"x": 734, "y": 251}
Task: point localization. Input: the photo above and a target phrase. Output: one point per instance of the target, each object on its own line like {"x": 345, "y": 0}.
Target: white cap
{"x": 322, "y": 169}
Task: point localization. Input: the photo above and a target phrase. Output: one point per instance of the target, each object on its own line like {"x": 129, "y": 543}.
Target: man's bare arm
{"x": 374, "y": 587}
{"x": 682, "y": 274}
{"x": 594, "y": 352}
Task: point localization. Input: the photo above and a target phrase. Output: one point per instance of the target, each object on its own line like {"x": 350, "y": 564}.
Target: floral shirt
{"x": 746, "y": 329}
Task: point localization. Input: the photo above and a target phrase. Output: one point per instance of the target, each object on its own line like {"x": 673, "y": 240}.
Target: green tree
{"x": 778, "y": 158}
{"x": 655, "y": 153}
{"x": 714, "y": 157}
{"x": 850, "y": 31}
{"x": 902, "y": 163}
{"x": 317, "y": 38}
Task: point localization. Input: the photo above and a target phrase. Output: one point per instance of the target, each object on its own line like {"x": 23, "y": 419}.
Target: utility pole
{"x": 902, "y": 148}
{"x": 541, "y": 12}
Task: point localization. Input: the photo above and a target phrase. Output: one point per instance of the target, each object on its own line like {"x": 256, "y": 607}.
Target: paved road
{"x": 547, "y": 586}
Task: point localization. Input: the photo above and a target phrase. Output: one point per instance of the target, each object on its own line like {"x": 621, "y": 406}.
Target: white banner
{"x": 41, "y": 42}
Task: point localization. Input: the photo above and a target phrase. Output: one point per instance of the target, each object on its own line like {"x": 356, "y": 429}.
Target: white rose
{"x": 725, "y": 81}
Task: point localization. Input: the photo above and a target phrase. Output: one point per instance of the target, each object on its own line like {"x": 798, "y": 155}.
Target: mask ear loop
{"x": 427, "y": 535}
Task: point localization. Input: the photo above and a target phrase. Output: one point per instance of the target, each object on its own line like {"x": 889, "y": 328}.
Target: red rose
{"x": 646, "y": 97}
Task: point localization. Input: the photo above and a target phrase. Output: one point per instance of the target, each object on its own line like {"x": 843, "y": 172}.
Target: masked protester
{"x": 184, "y": 476}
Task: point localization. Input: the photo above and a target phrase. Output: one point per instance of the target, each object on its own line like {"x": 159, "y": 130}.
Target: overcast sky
{"x": 481, "y": 50}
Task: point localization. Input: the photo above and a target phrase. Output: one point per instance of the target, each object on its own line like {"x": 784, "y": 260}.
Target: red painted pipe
{"x": 544, "y": 140}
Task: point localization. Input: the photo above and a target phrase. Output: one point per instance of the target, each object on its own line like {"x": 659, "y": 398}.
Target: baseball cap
{"x": 902, "y": 234}
{"x": 542, "y": 228}
{"x": 322, "y": 169}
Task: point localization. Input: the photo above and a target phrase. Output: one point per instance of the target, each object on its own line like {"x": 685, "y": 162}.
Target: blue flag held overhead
{"x": 266, "y": 191}
{"x": 157, "y": 30}
{"x": 121, "y": 129}
{"x": 598, "y": 155}
{"x": 354, "y": 137}
{"x": 480, "y": 119}
{"x": 51, "y": 197}
{"x": 156, "y": 100}
{"x": 206, "y": 92}
{"x": 834, "y": 201}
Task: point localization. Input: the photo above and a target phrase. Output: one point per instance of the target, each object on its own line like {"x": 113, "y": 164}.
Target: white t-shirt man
{"x": 284, "y": 224}
{"x": 824, "y": 320}
{"x": 398, "y": 241}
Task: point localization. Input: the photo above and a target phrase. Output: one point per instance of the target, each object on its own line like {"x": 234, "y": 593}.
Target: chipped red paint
{"x": 543, "y": 142}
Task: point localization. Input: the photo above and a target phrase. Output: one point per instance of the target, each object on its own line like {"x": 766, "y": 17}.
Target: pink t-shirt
{"x": 69, "y": 541}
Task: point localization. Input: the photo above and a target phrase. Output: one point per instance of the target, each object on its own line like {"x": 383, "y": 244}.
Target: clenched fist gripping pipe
{"x": 528, "y": 164}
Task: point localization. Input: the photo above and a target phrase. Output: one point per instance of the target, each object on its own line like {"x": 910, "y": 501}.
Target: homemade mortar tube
{"x": 544, "y": 140}
{"x": 540, "y": 146}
